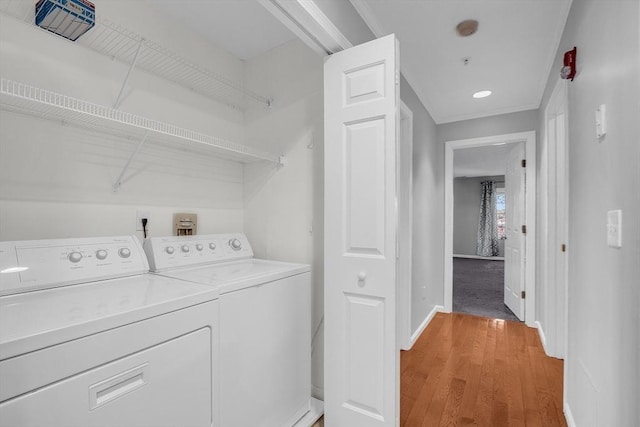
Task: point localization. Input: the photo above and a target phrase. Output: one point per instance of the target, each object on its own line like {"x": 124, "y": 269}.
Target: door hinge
{"x": 524, "y": 229}
{"x": 523, "y": 162}
{"x": 523, "y": 294}
{"x": 563, "y": 248}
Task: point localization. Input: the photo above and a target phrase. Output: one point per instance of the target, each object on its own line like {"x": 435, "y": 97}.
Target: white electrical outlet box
{"x": 139, "y": 215}
{"x": 614, "y": 229}
{"x": 601, "y": 121}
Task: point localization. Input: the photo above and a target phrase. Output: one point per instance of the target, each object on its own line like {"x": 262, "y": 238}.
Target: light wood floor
{"x": 472, "y": 371}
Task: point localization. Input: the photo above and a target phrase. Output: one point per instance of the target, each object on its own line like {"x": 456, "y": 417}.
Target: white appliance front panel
{"x": 166, "y": 385}
{"x": 33, "y": 320}
{"x": 185, "y": 251}
{"x": 265, "y": 354}
{"x": 37, "y": 264}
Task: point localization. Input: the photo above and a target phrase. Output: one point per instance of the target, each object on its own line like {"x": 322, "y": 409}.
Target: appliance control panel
{"x": 185, "y": 251}
{"x": 39, "y": 264}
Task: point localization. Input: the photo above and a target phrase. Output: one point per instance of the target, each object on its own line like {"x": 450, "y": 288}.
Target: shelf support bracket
{"x": 116, "y": 105}
{"x": 118, "y": 183}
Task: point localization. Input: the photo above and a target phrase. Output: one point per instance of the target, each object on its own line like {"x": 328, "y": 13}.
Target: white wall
{"x": 55, "y": 180}
{"x": 467, "y": 194}
{"x": 284, "y": 208}
{"x": 603, "y": 341}
{"x": 428, "y": 238}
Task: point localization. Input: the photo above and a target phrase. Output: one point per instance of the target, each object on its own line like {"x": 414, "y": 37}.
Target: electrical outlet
{"x": 139, "y": 215}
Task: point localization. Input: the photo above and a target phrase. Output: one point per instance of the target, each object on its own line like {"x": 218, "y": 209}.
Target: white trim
{"x": 543, "y": 339}
{"x": 307, "y": 21}
{"x": 568, "y": 415}
{"x": 317, "y": 392}
{"x": 488, "y": 258}
{"x": 424, "y": 324}
{"x": 529, "y": 139}
{"x": 405, "y": 295}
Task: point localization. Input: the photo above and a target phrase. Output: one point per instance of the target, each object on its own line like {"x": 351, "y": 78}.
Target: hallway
{"x": 470, "y": 370}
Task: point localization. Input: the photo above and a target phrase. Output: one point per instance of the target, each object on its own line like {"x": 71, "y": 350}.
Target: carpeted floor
{"x": 478, "y": 288}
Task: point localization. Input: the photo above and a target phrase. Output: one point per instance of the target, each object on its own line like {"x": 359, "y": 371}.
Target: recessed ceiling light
{"x": 482, "y": 94}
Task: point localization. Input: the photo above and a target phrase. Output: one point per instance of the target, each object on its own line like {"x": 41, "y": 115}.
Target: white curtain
{"x": 487, "y": 241}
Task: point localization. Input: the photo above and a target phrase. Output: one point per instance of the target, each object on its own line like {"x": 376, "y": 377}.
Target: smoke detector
{"x": 467, "y": 27}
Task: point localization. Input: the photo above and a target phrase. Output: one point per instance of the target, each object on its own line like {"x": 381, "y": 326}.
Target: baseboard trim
{"x": 543, "y": 338}
{"x": 568, "y": 415}
{"x": 488, "y": 258}
{"x": 425, "y": 323}
{"x": 317, "y": 392}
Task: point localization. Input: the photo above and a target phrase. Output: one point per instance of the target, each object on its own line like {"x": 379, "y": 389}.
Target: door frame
{"x": 554, "y": 327}
{"x": 529, "y": 140}
{"x": 405, "y": 293}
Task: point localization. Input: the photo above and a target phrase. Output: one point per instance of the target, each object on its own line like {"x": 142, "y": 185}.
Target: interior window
{"x": 500, "y": 213}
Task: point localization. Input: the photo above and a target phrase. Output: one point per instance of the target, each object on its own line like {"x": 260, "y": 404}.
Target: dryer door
{"x": 165, "y": 385}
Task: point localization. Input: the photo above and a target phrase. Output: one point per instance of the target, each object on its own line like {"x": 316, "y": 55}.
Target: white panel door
{"x": 514, "y": 250}
{"x": 361, "y": 121}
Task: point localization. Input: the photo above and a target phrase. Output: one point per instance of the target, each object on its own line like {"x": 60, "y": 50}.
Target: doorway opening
{"x": 519, "y": 251}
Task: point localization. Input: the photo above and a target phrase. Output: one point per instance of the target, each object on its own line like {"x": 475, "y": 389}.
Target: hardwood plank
{"x": 474, "y": 371}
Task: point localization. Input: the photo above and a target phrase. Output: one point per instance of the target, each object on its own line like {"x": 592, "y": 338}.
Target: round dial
{"x": 235, "y": 244}
{"x": 169, "y": 250}
{"x": 185, "y": 248}
{"x": 199, "y": 247}
{"x": 75, "y": 257}
{"x": 124, "y": 252}
{"x": 101, "y": 254}
{"x": 212, "y": 246}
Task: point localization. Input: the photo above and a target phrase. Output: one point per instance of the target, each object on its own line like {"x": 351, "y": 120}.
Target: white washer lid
{"x": 235, "y": 275}
{"x": 34, "y": 320}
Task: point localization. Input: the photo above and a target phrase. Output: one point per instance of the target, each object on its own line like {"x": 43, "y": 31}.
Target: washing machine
{"x": 265, "y": 333}
{"x": 89, "y": 338}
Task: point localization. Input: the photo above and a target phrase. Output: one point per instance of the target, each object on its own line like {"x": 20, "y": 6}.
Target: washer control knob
{"x": 235, "y": 244}
{"x": 124, "y": 252}
{"x": 101, "y": 254}
{"x": 185, "y": 248}
{"x": 169, "y": 250}
{"x": 75, "y": 257}
{"x": 212, "y": 246}
{"x": 199, "y": 247}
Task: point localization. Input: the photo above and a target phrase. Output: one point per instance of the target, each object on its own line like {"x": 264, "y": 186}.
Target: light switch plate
{"x": 614, "y": 229}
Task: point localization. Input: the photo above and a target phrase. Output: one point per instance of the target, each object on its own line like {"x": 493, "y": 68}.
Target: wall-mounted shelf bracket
{"x": 118, "y": 183}
{"x": 116, "y": 105}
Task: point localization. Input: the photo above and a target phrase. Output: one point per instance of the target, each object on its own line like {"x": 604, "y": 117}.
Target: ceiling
{"x": 511, "y": 53}
{"x": 231, "y": 24}
{"x": 488, "y": 160}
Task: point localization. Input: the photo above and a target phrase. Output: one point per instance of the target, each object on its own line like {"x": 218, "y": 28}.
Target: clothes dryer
{"x": 265, "y": 332}
{"x": 89, "y": 338}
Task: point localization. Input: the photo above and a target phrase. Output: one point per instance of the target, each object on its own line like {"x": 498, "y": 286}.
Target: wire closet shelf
{"x": 122, "y": 44}
{"x": 20, "y": 97}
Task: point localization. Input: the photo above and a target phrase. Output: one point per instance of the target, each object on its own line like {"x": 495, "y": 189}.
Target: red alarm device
{"x": 568, "y": 71}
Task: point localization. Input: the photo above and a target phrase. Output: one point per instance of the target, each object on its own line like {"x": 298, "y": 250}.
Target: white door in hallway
{"x": 361, "y": 125}
{"x": 514, "y": 248}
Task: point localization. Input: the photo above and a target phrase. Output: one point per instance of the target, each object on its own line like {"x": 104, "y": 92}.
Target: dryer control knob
{"x": 184, "y": 248}
{"x": 169, "y": 250}
{"x": 75, "y": 257}
{"x": 199, "y": 247}
{"x": 101, "y": 254}
{"x": 212, "y": 246}
{"x": 124, "y": 252}
{"x": 235, "y": 244}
